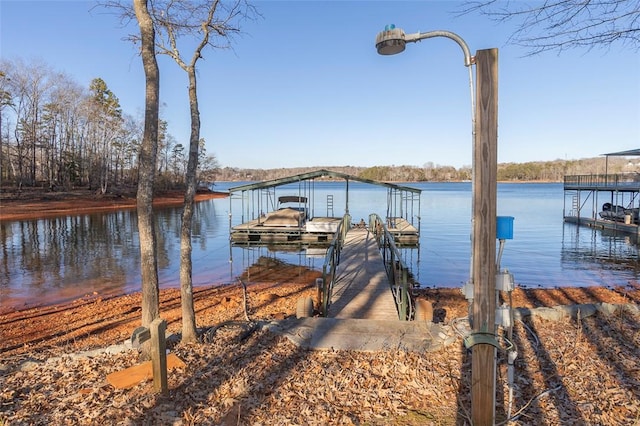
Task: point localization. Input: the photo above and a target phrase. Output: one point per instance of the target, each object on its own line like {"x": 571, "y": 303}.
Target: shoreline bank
{"x": 31, "y": 205}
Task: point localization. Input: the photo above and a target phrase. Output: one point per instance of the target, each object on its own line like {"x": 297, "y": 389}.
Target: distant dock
{"x": 609, "y": 201}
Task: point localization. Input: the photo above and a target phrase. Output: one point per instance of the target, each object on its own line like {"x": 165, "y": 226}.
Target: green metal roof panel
{"x": 624, "y": 153}
{"x": 318, "y": 174}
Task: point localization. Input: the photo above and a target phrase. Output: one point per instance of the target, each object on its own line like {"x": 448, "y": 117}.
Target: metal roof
{"x": 318, "y": 174}
{"x": 624, "y": 153}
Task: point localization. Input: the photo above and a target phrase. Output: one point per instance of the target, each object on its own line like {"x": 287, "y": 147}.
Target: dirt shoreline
{"x": 38, "y": 204}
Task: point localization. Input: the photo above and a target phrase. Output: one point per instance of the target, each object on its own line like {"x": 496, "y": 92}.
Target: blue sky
{"x": 304, "y": 85}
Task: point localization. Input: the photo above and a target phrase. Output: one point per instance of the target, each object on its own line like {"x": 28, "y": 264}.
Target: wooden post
{"x": 483, "y": 363}
{"x": 158, "y": 328}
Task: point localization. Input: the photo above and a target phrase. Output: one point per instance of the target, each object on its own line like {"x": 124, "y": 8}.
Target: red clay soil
{"x": 36, "y": 204}
{"x": 97, "y": 319}
{"x": 43, "y": 333}
{"x": 98, "y": 322}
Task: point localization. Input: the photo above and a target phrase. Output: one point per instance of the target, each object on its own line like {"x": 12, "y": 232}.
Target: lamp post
{"x": 484, "y": 125}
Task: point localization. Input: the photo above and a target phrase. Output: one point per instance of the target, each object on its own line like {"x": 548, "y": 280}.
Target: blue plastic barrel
{"x": 504, "y": 227}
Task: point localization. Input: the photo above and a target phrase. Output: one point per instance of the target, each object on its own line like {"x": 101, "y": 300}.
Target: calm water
{"x": 61, "y": 259}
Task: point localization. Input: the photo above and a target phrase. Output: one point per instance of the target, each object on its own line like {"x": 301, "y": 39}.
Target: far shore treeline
{"x": 540, "y": 171}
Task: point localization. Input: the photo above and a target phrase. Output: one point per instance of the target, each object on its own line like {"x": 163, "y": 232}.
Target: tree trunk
{"x": 189, "y": 333}
{"x": 147, "y": 164}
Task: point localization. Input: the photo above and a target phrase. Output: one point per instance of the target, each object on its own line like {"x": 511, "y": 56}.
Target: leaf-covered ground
{"x": 572, "y": 371}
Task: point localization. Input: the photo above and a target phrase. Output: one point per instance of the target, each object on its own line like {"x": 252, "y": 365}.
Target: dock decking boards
{"x": 362, "y": 289}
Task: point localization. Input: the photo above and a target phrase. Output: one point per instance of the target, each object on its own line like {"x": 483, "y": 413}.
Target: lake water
{"x": 62, "y": 259}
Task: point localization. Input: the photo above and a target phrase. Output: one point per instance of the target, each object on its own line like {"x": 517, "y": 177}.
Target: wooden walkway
{"x": 361, "y": 289}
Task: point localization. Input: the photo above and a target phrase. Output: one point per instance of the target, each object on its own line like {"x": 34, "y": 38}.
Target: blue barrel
{"x": 504, "y": 227}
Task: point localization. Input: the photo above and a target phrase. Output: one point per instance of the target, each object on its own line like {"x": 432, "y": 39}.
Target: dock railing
{"x": 397, "y": 271}
{"x": 332, "y": 259}
{"x": 619, "y": 181}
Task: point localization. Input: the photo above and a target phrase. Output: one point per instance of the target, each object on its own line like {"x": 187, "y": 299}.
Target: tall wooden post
{"x": 483, "y": 363}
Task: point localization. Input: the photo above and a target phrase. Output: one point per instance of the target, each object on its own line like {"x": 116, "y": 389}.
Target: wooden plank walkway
{"x": 361, "y": 289}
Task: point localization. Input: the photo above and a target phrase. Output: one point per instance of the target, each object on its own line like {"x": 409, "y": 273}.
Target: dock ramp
{"x": 361, "y": 289}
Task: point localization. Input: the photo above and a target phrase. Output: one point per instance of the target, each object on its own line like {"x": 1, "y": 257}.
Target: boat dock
{"x": 289, "y": 211}
{"x": 257, "y": 232}
{"x": 362, "y": 289}
{"x": 363, "y": 314}
{"x": 364, "y": 296}
{"x": 609, "y": 201}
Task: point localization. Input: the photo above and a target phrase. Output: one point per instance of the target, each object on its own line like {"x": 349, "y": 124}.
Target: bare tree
{"x": 147, "y": 166}
{"x": 5, "y": 100}
{"x": 212, "y": 23}
{"x": 27, "y": 85}
{"x": 565, "y": 24}
{"x": 134, "y": 130}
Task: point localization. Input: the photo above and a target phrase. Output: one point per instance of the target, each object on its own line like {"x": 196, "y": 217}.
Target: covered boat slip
{"x": 364, "y": 276}
{"x": 290, "y": 211}
{"x": 604, "y": 201}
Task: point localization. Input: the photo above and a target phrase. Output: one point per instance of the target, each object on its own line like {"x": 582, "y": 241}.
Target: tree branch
{"x": 564, "y": 24}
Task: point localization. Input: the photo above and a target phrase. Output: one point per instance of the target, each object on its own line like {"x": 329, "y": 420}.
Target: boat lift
{"x": 259, "y": 203}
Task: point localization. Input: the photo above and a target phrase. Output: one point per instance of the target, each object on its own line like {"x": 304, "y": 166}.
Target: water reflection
{"x": 597, "y": 250}
{"x": 244, "y": 258}
{"x": 64, "y": 258}
{"x": 67, "y": 253}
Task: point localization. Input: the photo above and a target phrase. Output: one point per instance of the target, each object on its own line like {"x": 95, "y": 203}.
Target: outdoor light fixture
{"x": 393, "y": 40}
{"x": 484, "y": 130}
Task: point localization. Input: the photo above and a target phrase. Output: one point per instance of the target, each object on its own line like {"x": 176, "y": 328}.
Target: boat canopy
{"x": 319, "y": 174}
{"x": 629, "y": 153}
{"x": 260, "y": 197}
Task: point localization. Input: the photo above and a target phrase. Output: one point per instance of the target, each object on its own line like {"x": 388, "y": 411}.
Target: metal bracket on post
{"x": 139, "y": 336}
{"x": 479, "y": 338}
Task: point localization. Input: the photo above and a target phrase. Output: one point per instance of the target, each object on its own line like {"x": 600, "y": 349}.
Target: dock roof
{"x": 319, "y": 174}
{"x": 623, "y": 153}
